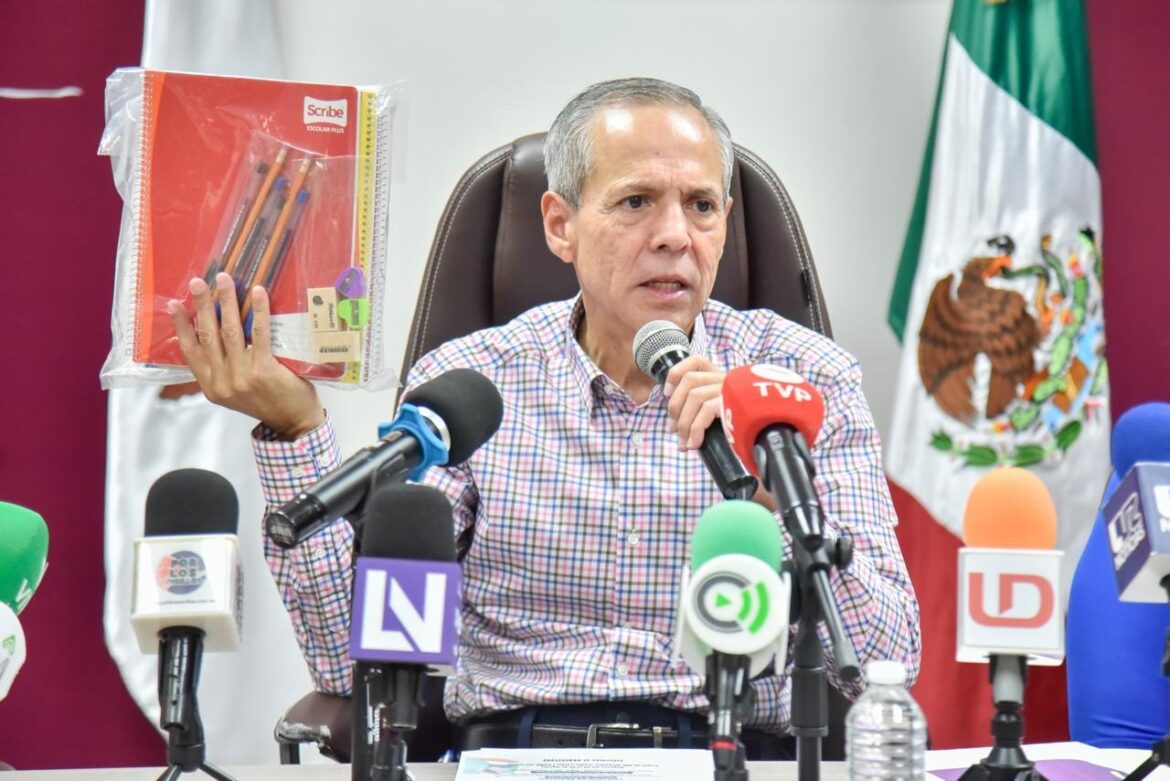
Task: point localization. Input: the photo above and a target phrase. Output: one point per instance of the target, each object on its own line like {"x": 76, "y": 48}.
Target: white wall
{"x": 835, "y": 94}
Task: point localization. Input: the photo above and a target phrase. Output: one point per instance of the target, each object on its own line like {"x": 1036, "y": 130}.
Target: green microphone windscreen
{"x": 737, "y": 526}
{"x": 24, "y": 546}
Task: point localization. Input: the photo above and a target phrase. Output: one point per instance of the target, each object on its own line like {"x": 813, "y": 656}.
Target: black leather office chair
{"x": 489, "y": 263}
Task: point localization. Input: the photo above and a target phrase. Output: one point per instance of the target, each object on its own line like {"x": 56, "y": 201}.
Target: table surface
{"x": 1120, "y": 759}
{"x": 759, "y": 771}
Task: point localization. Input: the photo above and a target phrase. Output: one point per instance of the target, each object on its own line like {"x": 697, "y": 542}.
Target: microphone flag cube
{"x": 406, "y": 611}
{"x": 1009, "y": 604}
{"x": 1137, "y": 519}
{"x": 188, "y": 580}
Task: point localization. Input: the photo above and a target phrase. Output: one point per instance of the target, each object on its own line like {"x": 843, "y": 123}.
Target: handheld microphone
{"x": 733, "y": 616}
{"x": 406, "y": 604}
{"x": 1009, "y": 527}
{"x": 12, "y": 648}
{"x": 24, "y": 548}
{"x": 659, "y": 346}
{"x": 188, "y": 594}
{"x": 1137, "y": 516}
{"x": 440, "y": 422}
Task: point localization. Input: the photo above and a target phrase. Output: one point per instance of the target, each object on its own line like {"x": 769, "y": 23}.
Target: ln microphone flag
{"x": 1009, "y": 576}
{"x": 406, "y": 608}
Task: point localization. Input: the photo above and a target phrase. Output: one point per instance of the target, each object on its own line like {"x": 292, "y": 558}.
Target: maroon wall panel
{"x": 1130, "y": 47}
{"x": 59, "y": 218}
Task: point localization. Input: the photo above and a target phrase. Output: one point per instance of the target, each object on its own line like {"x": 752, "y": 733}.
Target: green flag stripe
{"x": 1038, "y": 52}
{"x": 912, "y": 246}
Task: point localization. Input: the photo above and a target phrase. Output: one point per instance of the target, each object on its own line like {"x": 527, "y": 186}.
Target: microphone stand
{"x": 1007, "y": 761}
{"x": 396, "y": 719}
{"x": 1160, "y": 751}
{"x": 731, "y": 700}
{"x": 180, "y": 653}
{"x": 786, "y": 457}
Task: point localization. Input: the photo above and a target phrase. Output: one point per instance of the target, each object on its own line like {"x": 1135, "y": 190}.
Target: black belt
{"x": 609, "y": 725}
{"x": 598, "y": 735}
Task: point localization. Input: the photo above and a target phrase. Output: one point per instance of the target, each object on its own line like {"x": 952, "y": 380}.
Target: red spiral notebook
{"x": 281, "y": 184}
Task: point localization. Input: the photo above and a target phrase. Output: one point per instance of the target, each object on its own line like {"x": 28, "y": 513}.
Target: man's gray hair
{"x": 568, "y": 147}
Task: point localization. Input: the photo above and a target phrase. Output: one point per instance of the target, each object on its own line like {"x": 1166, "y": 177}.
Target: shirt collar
{"x": 590, "y": 381}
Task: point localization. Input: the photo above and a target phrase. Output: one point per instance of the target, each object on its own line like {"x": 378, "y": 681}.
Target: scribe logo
{"x": 320, "y": 114}
{"x": 181, "y": 572}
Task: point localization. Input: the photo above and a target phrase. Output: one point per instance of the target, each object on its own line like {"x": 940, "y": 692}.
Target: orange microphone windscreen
{"x": 1010, "y": 508}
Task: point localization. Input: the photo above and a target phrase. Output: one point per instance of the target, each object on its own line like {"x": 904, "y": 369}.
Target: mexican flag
{"x": 997, "y": 302}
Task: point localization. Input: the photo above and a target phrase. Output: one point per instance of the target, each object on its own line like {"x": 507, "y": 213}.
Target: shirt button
{"x": 298, "y": 472}
{"x": 623, "y": 670}
{"x": 636, "y": 440}
{"x": 633, "y": 538}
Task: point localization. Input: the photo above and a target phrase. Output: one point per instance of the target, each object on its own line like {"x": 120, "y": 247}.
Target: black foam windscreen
{"x": 191, "y": 501}
{"x": 409, "y": 521}
{"x": 468, "y": 403}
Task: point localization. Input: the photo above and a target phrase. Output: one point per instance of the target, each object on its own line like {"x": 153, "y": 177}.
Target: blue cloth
{"x": 1117, "y": 695}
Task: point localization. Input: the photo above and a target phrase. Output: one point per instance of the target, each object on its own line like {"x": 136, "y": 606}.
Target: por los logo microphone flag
{"x": 997, "y": 302}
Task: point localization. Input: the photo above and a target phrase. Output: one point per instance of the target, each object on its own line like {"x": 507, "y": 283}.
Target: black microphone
{"x": 407, "y": 590}
{"x": 659, "y": 346}
{"x": 188, "y": 592}
{"x": 440, "y": 422}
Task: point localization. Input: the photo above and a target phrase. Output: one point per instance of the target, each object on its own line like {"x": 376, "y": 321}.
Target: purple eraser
{"x": 351, "y": 283}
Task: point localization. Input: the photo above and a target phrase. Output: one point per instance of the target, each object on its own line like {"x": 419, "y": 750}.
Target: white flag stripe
{"x": 997, "y": 170}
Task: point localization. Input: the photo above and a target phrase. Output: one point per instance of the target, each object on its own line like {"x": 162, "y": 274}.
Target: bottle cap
{"x": 886, "y": 673}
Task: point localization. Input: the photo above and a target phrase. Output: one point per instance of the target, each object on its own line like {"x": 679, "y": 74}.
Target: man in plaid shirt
{"x": 574, "y": 520}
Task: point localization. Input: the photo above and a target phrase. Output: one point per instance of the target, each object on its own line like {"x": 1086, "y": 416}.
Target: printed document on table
{"x": 587, "y": 764}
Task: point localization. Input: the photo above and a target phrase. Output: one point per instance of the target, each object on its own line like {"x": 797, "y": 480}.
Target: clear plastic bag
{"x": 280, "y": 184}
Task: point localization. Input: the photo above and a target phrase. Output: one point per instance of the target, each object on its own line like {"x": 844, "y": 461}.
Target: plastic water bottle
{"x": 885, "y": 731}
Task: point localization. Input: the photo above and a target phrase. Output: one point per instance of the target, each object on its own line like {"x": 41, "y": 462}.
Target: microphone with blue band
{"x": 440, "y": 422}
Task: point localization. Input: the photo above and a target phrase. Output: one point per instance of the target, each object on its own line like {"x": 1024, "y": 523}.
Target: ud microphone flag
{"x": 997, "y": 302}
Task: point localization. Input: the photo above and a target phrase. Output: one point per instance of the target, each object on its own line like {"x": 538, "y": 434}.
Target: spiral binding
{"x": 374, "y": 367}
{"x": 141, "y": 209}
{"x": 373, "y": 147}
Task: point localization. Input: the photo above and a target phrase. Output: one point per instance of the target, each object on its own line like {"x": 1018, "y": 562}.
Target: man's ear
{"x": 559, "y": 230}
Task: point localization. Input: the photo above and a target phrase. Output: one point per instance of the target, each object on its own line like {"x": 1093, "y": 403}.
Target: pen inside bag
{"x": 259, "y": 237}
{"x": 248, "y": 228}
{"x": 237, "y": 226}
{"x": 286, "y": 241}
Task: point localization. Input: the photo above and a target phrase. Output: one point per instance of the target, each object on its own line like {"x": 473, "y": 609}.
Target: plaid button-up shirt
{"x": 574, "y": 523}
